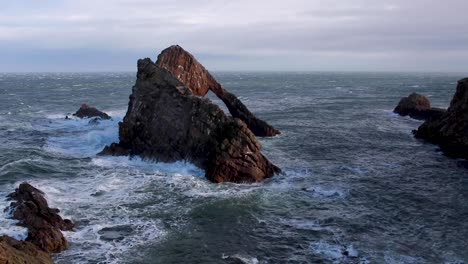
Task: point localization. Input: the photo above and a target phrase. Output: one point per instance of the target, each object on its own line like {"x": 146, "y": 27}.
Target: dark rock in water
{"x": 450, "y": 130}
{"x": 115, "y": 233}
{"x": 13, "y": 251}
{"x": 43, "y": 223}
{"x": 87, "y": 111}
{"x": 166, "y": 122}
{"x": 193, "y": 75}
{"x": 418, "y": 107}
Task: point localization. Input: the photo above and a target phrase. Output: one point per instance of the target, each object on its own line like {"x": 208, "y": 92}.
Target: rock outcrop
{"x": 450, "y": 130}
{"x": 87, "y": 111}
{"x": 43, "y": 223}
{"x": 166, "y": 122}
{"x": 418, "y": 107}
{"x": 13, "y": 251}
{"x": 193, "y": 75}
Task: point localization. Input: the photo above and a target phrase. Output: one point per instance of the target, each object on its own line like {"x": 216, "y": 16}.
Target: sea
{"x": 356, "y": 186}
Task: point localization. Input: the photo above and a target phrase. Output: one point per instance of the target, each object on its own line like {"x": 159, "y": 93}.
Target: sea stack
{"x": 418, "y": 107}
{"x": 166, "y": 121}
{"x": 185, "y": 67}
{"x": 449, "y": 130}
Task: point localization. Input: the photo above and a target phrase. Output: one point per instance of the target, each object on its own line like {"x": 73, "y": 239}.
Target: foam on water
{"x": 8, "y": 225}
{"x": 328, "y": 251}
{"x": 100, "y": 205}
{"x": 78, "y": 138}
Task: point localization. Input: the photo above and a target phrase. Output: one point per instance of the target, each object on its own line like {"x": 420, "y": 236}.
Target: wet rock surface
{"x": 13, "y": 251}
{"x": 450, "y": 130}
{"x": 87, "y": 111}
{"x": 185, "y": 67}
{"x": 166, "y": 122}
{"x": 418, "y": 107}
{"x": 44, "y": 224}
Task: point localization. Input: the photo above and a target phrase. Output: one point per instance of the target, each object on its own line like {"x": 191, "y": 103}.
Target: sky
{"x": 240, "y": 35}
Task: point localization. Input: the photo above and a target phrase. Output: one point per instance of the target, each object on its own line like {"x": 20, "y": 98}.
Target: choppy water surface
{"x": 356, "y": 187}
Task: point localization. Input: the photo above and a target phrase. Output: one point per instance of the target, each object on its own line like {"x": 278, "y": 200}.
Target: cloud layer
{"x": 398, "y": 35}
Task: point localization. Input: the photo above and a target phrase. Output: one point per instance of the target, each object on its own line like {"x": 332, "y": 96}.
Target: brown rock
{"x": 43, "y": 223}
{"x": 192, "y": 74}
{"x": 13, "y": 251}
{"x": 449, "y": 130}
{"x": 166, "y": 122}
{"x": 87, "y": 111}
{"x": 418, "y": 107}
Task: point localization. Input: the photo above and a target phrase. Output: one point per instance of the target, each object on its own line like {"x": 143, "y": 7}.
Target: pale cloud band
{"x": 237, "y": 35}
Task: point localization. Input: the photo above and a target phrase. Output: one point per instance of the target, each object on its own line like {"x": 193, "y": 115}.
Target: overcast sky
{"x": 305, "y": 35}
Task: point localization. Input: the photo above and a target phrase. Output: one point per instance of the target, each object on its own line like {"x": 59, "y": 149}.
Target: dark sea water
{"x": 356, "y": 188}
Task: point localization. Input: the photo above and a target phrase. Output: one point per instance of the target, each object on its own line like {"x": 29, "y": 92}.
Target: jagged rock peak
{"x": 185, "y": 67}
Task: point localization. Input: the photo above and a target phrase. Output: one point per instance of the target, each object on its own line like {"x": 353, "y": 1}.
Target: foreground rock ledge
{"x": 449, "y": 130}
{"x": 418, "y": 107}
{"x": 166, "y": 122}
{"x": 13, "y": 251}
{"x": 43, "y": 223}
{"x": 193, "y": 75}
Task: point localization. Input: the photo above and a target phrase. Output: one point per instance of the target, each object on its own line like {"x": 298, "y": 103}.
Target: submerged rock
{"x": 13, "y": 251}
{"x": 193, "y": 75}
{"x": 449, "y": 130}
{"x": 87, "y": 111}
{"x": 418, "y": 107}
{"x": 166, "y": 122}
{"x": 43, "y": 223}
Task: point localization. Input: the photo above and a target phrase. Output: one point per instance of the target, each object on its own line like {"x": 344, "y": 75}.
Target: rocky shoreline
{"x": 449, "y": 130}
{"x": 446, "y": 128}
{"x": 44, "y": 225}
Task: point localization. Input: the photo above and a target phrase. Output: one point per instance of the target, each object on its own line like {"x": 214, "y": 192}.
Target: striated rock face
{"x": 166, "y": 122}
{"x": 13, "y": 251}
{"x": 192, "y": 74}
{"x": 418, "y": 107}
{"x": 450, "y": 130}
{"x": 43, "y": 223}
{"x": 87, "y": 111}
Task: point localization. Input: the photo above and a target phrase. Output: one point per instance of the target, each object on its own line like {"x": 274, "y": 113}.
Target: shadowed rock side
{"x": 87, "y": 111}
{"x": 190, "y": 72}
{"x": 165, "y": 122}
{"x": 450, "y": 130}
{"x": 418, "y": 107}
{"x": 43, "y": 223}
{"x": 13, "y": 251}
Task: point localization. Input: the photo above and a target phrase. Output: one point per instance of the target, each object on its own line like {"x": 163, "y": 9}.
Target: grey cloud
{"x": 300, "y": 32}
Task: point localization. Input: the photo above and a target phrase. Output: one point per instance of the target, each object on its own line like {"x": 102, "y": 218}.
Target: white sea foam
{"x": 242, "y": 259}
{"x": 392, "y": 258}
{"x": 8, "y": 226}
{"x": 100, "y": 204}
{"x": 328, "y": 251}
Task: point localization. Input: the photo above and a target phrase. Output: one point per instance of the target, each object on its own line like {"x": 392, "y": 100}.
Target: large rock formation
{"x": 166, "y": 122}
{"x": 418, "y": 107}
{"x": 87, "y": 111}
{"x": 193, "y": 75}
{"x": 450, "y": 130}
{"x": 13, "y": 251}
{"x": 43, "y": 223}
